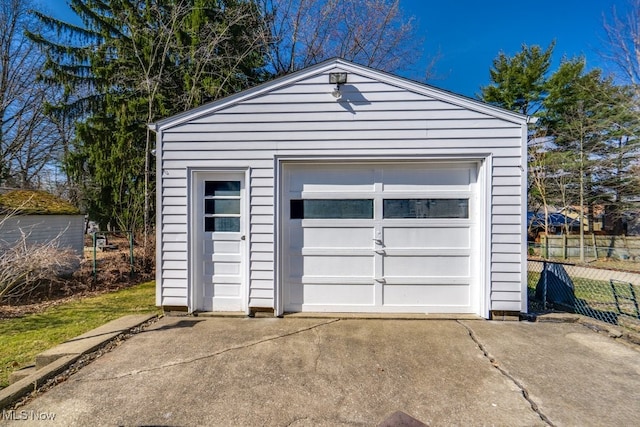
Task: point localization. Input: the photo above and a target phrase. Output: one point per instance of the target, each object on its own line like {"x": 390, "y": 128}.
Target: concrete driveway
{"x": 186, "y": 371}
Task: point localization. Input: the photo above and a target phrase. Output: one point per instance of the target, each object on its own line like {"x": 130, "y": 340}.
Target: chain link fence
{"x": 611, "y": 296}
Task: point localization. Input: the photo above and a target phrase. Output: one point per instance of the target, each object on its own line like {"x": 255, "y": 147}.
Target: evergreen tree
{"x": 131, "y": 63}
{"x": 590, "y": 116}
{"x": 583, "y": 150}
{"x": 519, "y": 84}
{"x": 519, "y": 81}
{"x": 622, "y": 170}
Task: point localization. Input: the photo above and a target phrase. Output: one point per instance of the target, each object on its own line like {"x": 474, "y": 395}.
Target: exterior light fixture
{"x": 337, "y": 79}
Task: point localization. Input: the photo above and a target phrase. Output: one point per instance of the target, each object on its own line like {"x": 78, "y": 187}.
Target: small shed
{"x": 40, "y": 217}
{"x": 341, "y": 188}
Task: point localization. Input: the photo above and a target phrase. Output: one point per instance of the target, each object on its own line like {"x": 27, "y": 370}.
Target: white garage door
{"x": 380, "y": 238}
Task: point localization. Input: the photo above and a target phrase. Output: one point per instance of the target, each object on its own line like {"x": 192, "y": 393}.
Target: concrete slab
{"x": 628, "y": 329}
{"x": 54, "y": 361}
{"x": 21, "y": 388}
{"x": 574, "y": 375}
{"x": 315, "y": 372}
{"x": 24, "y": 372}
{"x": 93, "y": 339}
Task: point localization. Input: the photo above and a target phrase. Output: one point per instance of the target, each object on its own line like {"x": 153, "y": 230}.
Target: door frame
{"x": 194, "y": 236}
{"x": 483, "y": 221}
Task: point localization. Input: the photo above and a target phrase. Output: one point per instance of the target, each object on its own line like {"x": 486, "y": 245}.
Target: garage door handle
{"x": 378, "y": 241}
{"x": 380, "y": 280}
{"x": 380, "y": 252}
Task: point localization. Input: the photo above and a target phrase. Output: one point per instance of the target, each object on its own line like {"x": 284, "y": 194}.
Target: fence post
{"x": 546, "y": 245}
{"x": 595, "y": 245}
{"x": 564, "y": 246}
{"x": 95, "y": 262}
{"x": 544, "y": 285}
{"x": 131, "y": 262}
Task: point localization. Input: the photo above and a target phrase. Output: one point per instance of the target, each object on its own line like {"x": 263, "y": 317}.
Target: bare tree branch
{"x": 623, "y": 36}
{"x": 27, "y": 145}
{"x": 374, "y": 33}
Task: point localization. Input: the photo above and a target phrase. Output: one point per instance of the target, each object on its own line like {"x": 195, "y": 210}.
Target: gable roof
{"x": 349, "y": 67}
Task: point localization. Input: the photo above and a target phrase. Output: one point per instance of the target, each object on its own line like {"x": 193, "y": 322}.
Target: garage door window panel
{"x": 426, "y": 208}
{"x": 332, "y": 209}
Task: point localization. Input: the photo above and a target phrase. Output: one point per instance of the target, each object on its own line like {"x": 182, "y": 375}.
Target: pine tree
{"x": 584, "y": 149}
{"x": 519, "y": 81}
{"x": 519, "y": 84}
{"x": 131, "y": 63}
{"x": 590, "y": 116}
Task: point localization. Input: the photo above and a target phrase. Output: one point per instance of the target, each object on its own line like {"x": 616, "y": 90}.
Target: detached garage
{"x": 342, "y": 189}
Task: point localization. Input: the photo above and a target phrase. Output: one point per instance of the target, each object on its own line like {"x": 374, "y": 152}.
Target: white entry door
{"x": 381, "y": 238}
{"x": 219, "y": 255}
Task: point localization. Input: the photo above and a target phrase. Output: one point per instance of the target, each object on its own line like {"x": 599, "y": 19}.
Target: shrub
{"x": 25, "y": 268}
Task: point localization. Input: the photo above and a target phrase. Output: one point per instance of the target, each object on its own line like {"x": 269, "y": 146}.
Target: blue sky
{"x": 468, "y": 34}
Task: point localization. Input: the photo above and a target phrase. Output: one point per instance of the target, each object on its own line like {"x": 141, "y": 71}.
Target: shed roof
{"x": 350, "y": 67}
{"x": 34, "y": 202}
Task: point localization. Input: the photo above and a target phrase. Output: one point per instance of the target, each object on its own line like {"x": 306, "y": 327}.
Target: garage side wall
{"x": 373, "y": 119}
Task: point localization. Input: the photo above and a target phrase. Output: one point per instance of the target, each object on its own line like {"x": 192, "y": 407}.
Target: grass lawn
{"x": 590, "y": 290}
{"x": 21, "y": 339}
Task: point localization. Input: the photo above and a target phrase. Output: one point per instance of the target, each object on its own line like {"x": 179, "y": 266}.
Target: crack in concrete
{"x": 318, "y": 346}
{"x": 323, "y": 421}
{"x": 217, "y": 353}
{"x": 504, "y": 372}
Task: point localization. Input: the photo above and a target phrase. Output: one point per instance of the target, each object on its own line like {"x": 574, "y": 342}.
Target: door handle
{"x": 380, "y": 280}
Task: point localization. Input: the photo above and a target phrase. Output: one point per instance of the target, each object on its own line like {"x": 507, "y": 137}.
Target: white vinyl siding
{"x": 376, "y": 118}
{"x": 68, "y": 229}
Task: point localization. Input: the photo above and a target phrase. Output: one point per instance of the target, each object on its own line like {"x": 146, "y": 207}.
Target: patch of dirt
{"x": 113, "y": 272}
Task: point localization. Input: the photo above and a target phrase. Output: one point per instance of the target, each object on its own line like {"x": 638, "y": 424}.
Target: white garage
{"x": 342, "y": 189}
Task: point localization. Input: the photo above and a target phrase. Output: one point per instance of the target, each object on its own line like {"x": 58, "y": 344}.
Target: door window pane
{"x": 426, "y": 208}
{"x": 222, "y": 206}
{"x": 221, "y": 188}
{"x": 332, "y": 209}
{"x": 228, "y": 224}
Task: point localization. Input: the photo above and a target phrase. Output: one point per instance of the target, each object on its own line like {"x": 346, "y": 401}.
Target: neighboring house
{"x": 378, "y": 194}
{"x": 41, "y": 218}
{"x": 597, "y": 217}
{"x": 555, "y": 223}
